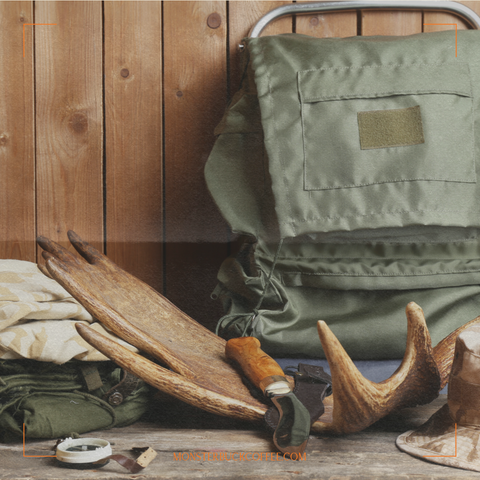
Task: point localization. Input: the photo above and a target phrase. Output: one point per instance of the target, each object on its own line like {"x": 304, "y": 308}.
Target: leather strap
{"x": 312, "y": 385}
{"x": 131, "y": 465}
{"x": 134, "y": 466}
{"x": 118, "y": 393}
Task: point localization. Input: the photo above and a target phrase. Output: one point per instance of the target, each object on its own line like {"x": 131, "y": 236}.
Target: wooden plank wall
{"x": 107, "y": 121}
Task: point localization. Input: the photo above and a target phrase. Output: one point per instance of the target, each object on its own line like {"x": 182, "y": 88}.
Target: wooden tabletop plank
{"x": 233, "y": 450}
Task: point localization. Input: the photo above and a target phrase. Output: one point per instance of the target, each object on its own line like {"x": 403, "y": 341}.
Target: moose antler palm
{"x": 198, "y": 371}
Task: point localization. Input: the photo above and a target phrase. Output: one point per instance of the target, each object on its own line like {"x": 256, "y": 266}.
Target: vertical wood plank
{"x": 390, "y": 22}
{"x": 69, "y": 132}
{"x": 439, "y": 18}
{"x": 17, "y": 149}
{"x": 343, "y": 24}
{"x": 243, "y": 15}
{"x": 195, "y": 92}
{"x": 133, "y": 99}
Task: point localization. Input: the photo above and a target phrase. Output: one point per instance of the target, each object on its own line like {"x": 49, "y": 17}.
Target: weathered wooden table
{"x": 191, "y": 444}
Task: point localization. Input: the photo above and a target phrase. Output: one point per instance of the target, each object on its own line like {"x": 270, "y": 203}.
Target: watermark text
{"x": 237, "y": 456}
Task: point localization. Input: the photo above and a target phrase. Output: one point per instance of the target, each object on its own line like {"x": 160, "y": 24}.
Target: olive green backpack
{"x": 349, "y": 165}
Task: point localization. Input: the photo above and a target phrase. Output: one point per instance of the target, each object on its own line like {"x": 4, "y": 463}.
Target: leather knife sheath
{"x": 312, "y": 385}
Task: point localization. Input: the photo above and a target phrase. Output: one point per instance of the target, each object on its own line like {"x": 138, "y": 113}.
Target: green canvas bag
{"x": 55, "y": 401}
{"x": 350, "y": 166}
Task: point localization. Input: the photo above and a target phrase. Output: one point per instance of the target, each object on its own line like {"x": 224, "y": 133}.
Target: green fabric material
{"x": 365, "y": 231}
{"x": 321, "y": 179}
{"x": 390, "y": 128}
{"x": 53, "y": 400}
{"x": 366, "y": 313}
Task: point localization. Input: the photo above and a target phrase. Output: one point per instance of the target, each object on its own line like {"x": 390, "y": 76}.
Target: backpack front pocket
{"x": 385, "y": 124}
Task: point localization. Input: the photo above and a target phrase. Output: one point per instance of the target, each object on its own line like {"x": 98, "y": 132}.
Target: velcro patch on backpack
{"x": 390, "y": 128}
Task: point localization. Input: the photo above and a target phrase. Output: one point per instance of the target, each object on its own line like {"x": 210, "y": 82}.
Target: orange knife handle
{"x": 260, "y": 368}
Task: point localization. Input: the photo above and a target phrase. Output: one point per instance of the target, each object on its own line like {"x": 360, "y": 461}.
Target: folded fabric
{"x": 38, "y": 316}
{"x": 55, "y": 401}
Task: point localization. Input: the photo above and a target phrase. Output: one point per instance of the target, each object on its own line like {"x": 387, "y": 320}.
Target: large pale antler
{"x": 200, "y": 373}
{"x": 358, "y": 402}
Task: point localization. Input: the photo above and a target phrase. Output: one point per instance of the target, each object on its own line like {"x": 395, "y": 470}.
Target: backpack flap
{"x": 372, "y": 132}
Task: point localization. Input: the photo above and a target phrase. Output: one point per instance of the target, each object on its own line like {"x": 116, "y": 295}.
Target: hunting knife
{"x": 293, "y": 429}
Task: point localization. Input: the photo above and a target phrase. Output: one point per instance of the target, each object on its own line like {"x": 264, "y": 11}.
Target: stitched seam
{"x": 390, "y": 65}
{"x": 397, "y": 212}
{"x": 304, "y": 139}
{"x": 388, "y": 93}
{"x": 360, "y": 258}
{"x": 473, "y": 154}
{"x": 426, "y": 179}
{"x": 440, "y": 272}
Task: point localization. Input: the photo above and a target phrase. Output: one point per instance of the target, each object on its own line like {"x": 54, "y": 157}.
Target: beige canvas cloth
{"x": 452, "y": 435}
{"x": 38, "y": 316}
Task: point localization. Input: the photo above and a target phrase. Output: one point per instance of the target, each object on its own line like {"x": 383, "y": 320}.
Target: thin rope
{"x": 236, "y": 317}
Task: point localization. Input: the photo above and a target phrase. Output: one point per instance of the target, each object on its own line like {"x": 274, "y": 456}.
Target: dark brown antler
{"x": 144, "y": 318}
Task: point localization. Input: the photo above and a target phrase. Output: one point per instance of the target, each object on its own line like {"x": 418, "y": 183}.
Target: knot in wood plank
{"x": 78, "y": 122}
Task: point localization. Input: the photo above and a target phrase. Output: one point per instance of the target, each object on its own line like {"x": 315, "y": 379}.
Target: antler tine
{"x": 359, "y": 402}
{"x": 89, "y": 253}
{"x": 184, "y": 389}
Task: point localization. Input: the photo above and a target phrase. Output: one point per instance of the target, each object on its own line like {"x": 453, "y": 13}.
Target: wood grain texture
{"x": 243, "y": 15}
{"x": 133, "y": 100}
{"x": 195, "y": 91}
{"x": 323, "y": 25}
{"x": 69, "y": 124}
{"x": 17, "y": 147}
{"x": 202, "y": 439}
{"x": 200, "y": 66}
{"x": 442, "y": 18}
{"x": 390, "y": 22}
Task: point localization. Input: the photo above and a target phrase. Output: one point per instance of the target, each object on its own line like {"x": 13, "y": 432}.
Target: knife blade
{"x": 293, "y": 429}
